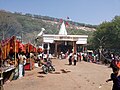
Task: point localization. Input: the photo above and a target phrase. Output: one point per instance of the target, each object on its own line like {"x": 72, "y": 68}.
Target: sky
{"x": 92, "y": 12}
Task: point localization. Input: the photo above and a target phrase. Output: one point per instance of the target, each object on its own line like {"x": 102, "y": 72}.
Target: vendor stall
{"x": 8, "y": 58}
{"x": 30, "y": 50}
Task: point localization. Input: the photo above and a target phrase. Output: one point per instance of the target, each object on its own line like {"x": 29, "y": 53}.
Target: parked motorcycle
{"x": 48, "y": 67}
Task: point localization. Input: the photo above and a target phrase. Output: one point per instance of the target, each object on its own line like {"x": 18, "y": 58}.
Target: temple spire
{"x": 63, "y": 29}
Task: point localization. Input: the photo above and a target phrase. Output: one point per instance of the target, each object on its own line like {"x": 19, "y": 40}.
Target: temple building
{"x": 55, "y": 44}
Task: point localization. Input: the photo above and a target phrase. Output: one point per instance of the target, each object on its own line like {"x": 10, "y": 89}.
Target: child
{"x": 115, "y": 77}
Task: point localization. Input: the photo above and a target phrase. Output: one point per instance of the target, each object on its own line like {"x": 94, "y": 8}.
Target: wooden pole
{"x": 15, "y": 51}
{"x": 1, "y": 73}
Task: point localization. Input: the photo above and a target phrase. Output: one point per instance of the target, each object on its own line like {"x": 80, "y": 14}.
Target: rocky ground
{"x": 83, "y": 76}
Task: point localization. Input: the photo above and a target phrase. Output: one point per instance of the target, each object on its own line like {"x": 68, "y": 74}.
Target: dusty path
{"x": 83, "y": 76}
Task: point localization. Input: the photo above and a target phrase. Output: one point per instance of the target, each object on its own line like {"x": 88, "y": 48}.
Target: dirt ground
{"x": 83, "y": 76}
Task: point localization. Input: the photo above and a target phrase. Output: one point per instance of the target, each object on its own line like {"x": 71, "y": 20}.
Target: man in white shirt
{"x": 75, "y": 58}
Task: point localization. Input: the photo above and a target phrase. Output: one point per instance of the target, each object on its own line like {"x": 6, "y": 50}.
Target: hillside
{"x": 28, "y": 26}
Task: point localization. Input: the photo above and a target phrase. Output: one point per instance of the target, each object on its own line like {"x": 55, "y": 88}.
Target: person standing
{"x": 70, "y": 60}
{"x": 20, "y": 65}
{"x": 115, "y": 77}
{"x": 79, "y": 57}
{"x": 24, "y": 63}
{"x": 75, "y": 58}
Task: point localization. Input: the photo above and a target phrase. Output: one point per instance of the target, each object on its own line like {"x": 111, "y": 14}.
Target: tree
{"x": 107, "y": 34}
{"x": 8, "y": 25}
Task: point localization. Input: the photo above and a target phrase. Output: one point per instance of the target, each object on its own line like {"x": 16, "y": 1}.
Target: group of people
{"x": 42, "y": 58}
{"x": 115, "y": 65}
{"x": 22, "y": 59}
{"x": 72, "y": 58}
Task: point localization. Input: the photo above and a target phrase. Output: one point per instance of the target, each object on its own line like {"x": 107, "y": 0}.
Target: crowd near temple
{"x": 16, "y": 57}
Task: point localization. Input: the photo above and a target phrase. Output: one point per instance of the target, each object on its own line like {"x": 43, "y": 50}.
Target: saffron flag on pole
{"x": 66, "y": 24}
{"x": 61, "y": 20}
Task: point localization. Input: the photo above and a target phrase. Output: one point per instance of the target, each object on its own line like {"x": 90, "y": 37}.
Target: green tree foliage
{"x": 107, "y": 34}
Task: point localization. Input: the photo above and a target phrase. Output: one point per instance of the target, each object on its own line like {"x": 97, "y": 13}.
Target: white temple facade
{"x": 63, "y": 42}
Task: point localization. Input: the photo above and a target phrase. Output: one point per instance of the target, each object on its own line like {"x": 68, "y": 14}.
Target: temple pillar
{"x": 56, "y": 43}
{"x": 48, "y": 49}
{"x": 74, "y": 47}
